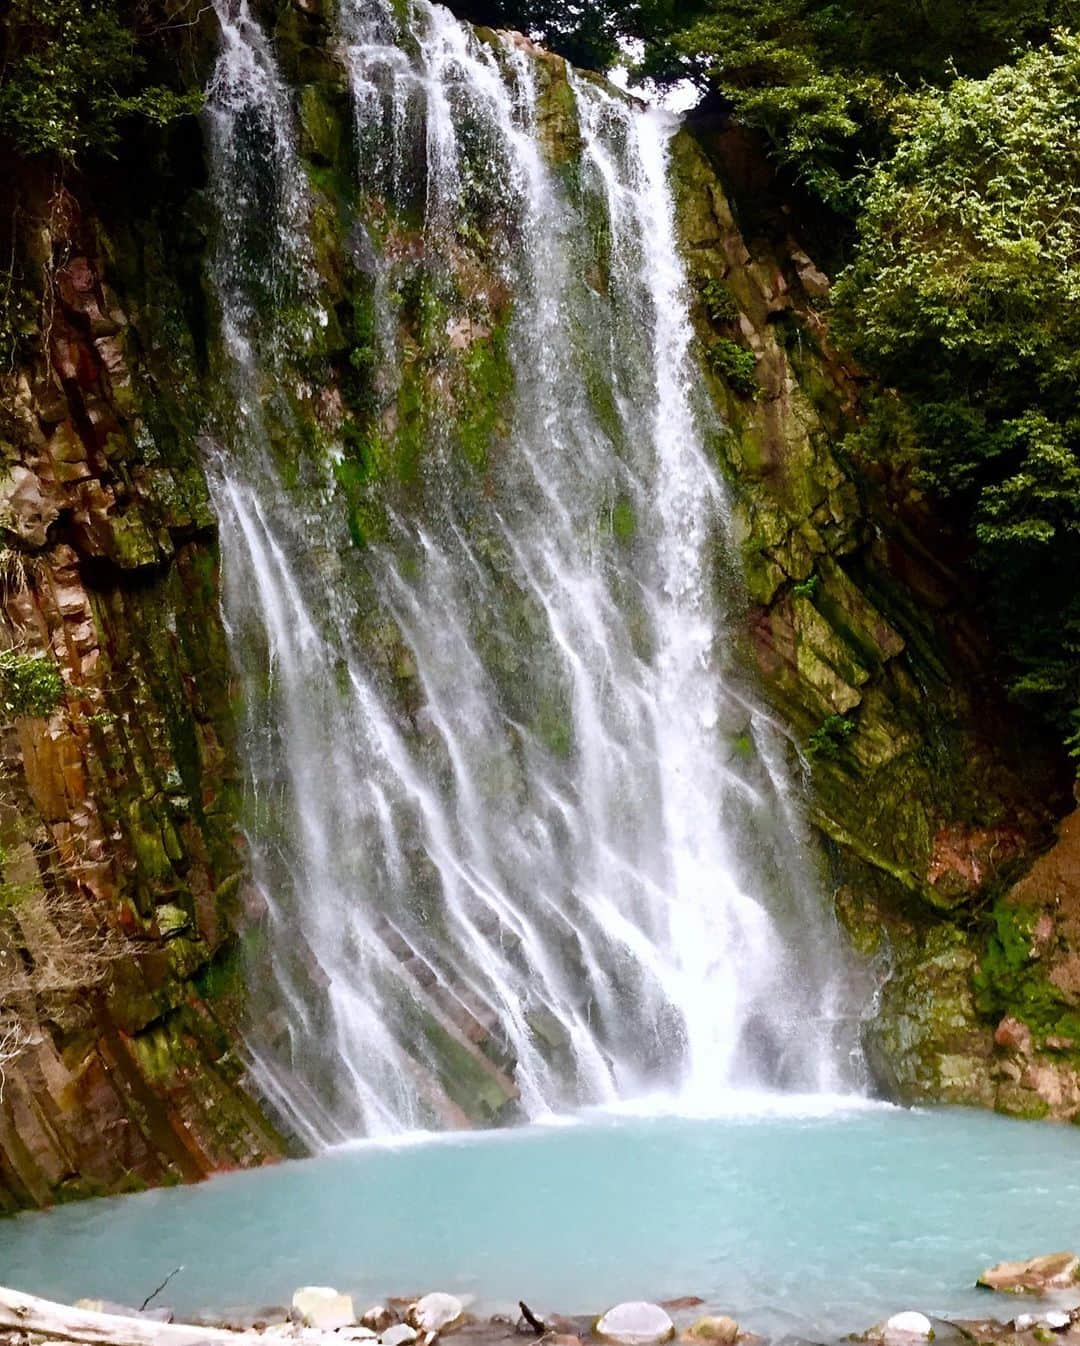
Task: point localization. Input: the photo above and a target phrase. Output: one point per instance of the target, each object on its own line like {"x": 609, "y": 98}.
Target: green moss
{"x": 618, "y": 519}
{"x": 557, "y": 118}
{"x": 488, "y": 382}
{"x": 358, "y": 323}
{"x": 623, "y": 520}
{"x": 553, "y": 726}
{"x": 1011, "y": 980}
{"x": 320, "y": 127}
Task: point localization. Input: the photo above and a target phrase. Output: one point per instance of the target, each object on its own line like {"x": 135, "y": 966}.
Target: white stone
{"x": 435, "y": 1312}
{"x": 1024, "y": 1321}
{"x": 636, "y": 1323}
{"x": 910, "y": 1324}
{"x": 322, "y": 1307}
{"x": 1057, "y": 1319}
{"x": 400, "y": 1335}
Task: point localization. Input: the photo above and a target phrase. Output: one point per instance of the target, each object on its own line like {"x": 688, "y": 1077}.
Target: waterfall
{"x": 521, "y": 838}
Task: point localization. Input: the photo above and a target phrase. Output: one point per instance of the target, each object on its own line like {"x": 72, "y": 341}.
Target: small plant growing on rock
{"x": 30, "y": 684}
{"x": 736, "y": 365}
{"x": 718, "y": 302}
{"x": 828, "y": 739}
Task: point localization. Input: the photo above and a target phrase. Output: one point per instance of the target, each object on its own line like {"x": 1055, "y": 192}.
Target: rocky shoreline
{"x": 324, "y": 1316}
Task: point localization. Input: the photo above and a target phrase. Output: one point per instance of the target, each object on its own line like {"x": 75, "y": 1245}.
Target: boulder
{"x": 378, "y": 1317}
{"x": 399, "y": 1335}
{"x": 1052, "y": 1271}
{"x": 636, "y": 1323}
{"x": 714, "y": 1327}
{"x": 436, "y": 1312}
{"x": 908, "y": 1326}
{"x": 322, "y": 1307}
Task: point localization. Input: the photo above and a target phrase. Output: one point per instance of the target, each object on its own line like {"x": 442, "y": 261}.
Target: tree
{"x": 72, "y": 70}
{"x": 823, "y": 79}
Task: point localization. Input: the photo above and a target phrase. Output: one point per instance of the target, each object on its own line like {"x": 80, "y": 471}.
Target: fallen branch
{"x": 537, "y": 1324}
{"x": 41, "y": 1317}
{"x": 154, "y": 1293}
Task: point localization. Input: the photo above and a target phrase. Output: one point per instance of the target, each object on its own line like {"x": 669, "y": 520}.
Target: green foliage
{"x": 587, "y": 34}
{"x": 29, "y": 684}
{"x": 963, "y": 294}
{"x": 828, "y": 739}
{"x": 735, "y": 364}
{"x": 718, "y": 302}
{"x": 807, "y": 588}
{"x": 73, "y": 70}
{"x": 742, "y": 746}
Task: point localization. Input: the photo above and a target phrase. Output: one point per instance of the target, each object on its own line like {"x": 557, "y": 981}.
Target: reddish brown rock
{"x": 1051, "y": 1271}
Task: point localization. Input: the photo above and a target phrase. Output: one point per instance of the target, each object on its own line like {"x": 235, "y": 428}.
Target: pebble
{"x": 636, "y": 1323}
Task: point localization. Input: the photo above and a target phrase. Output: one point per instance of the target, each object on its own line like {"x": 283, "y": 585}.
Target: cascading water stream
{"x": 517, "y": 827}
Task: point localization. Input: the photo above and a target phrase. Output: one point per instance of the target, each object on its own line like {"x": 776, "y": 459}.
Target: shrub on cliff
{"x": 964, "y": 295}
{"x": 71, "y": 71}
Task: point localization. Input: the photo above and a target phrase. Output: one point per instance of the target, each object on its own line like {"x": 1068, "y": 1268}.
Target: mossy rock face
{"x": 126, "y": 778}
{"x": 928, "y": 1038}
{"x": 931, "y": 797}
{"x": 556, "y": 112}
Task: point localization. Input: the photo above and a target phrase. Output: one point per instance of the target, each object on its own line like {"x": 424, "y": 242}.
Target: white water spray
{"x": 561, "y": 864}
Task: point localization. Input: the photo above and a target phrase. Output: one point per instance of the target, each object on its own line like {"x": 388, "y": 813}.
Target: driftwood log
{"x": 60, "y": 1322}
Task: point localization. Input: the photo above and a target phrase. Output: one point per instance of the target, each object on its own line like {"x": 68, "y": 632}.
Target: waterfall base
{"x": 803, "y": 1217}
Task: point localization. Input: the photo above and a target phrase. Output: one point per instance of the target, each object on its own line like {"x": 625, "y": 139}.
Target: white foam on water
{"x": 743, "y": 1104}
